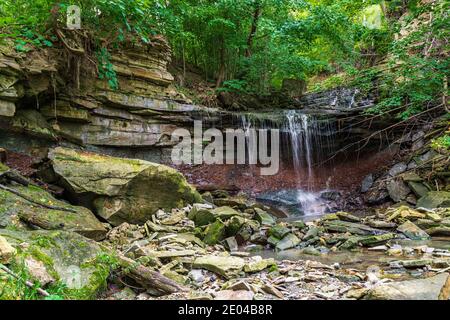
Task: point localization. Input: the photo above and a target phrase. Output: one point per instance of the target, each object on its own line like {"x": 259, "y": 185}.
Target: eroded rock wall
{"x": 36, "y": 101}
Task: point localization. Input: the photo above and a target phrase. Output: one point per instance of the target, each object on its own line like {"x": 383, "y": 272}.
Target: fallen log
{"x": 147, "y": 278}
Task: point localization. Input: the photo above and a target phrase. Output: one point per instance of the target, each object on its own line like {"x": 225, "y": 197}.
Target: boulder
{"x": 68, "y": 258}
{"x": 412, "y": 231}
{"x": 420, "y": 289}
{"x": 77, "y": 219}
{"x": 222, "y": 265}
{"x": 434, "y": 199}
{"x": 121, "y": 190}
{"x": 397, "y": 190}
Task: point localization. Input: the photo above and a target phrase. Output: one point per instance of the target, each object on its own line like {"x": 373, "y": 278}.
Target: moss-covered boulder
{"x": 76, "y": 219}
{"x": 74, "y": 262}
{"x": 121, "y": 190}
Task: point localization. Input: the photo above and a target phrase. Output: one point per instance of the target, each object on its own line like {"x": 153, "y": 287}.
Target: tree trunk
{"x": 254, "y": 28}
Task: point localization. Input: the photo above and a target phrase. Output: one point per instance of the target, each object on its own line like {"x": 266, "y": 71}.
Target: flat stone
{"x": 397, "y": 169}
{"x": 225, "y": 266}
{"x": 351, "y": 227}
{"x": 345, "y": 216}
{"x": 420, "y": 289}
{"x": 257, "y": 264}
{"x": 234, "y": 295}
{"x": 419, "y": 189}
{"x": 412, "y": 231}
{"x": 434, "y": 199}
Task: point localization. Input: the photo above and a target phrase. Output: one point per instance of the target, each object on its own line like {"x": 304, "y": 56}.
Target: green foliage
{"x": 106, "y": 68}
{"x": 236, "y": 86}
{"x": 442, "y": 143}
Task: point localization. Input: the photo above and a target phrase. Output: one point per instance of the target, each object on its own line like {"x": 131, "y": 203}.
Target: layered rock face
{"x": 142, "y": 112}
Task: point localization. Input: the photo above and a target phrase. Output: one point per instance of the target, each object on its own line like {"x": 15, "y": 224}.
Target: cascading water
{"x": 308, "y": 139}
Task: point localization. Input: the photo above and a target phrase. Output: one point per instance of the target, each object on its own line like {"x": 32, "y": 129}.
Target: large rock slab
{"x": 77, "y": 219}
{"x": 421, "y": 289}
{"x": 121, "y": 190}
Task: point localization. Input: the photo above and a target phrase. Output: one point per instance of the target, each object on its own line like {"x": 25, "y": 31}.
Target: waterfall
{"x": 309, "y": 139}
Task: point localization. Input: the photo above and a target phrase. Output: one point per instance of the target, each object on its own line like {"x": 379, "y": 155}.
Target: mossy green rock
{"x": 214, "y": 233}
{"x": 288, "y": 242}
{"x": 68, "y": 257}
{"x": 201, "y": 215}
{"x": 412, "y": 231}
{"x": 123, "y": 190}
{"x": 264, "y": 218}
{"x": 434, "y": 199}
{"x": 81, "y": 220}
{"x": 278, "y": 231}
{"x": 234, "y": 225}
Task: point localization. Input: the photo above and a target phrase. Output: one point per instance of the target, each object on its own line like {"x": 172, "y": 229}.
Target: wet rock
{"x": 77, "y": 219}
{"x": 434, "y": 199}
{"x": 412, "y": 231}
{"x": 351, "y": 227}
{"x": 240, "y": 203}
{"x": 278, "y": 231}
{"x": 397, "y": 169}
{"x": 372, "y": 240}
{"x": 381, "y": 224}
{"x": 330, "y": 195}
{"x": 225, "y": 266}
{"x": 313, "y": 232}
{"x": 299, "y": 224}
{"x": 148, "y": 186}
{"x": 233, "y": 295}
{"x": 416, "y": 263}
{"x": 345, "y": 216}
{"x": 421, "y": 289}
{"x": 439, "y": 231}
{"x": 288, "y": 242}
{"x": 273, "y": 241}
{"x": 367, "y": 183}
{"x": 264, "y": 218}
{"x": 311, "y": 251}
{"x": 6, "y": 251}
{"x": 225, "y": 213}
{"x": 377, "y": 196}
{"x": 397, "y": 190}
